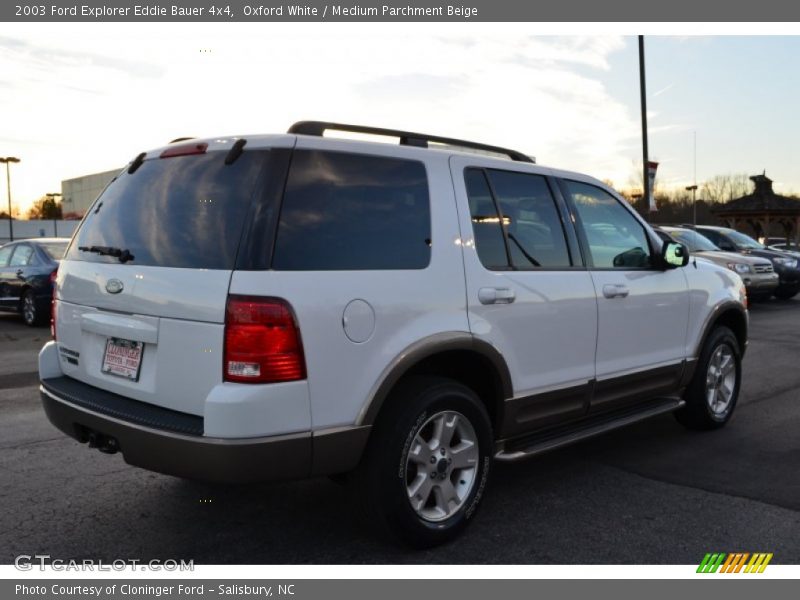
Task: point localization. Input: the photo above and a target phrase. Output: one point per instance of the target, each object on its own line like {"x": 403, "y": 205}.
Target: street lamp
{"x": 52, "y": 196}
{"x": 8, "y": 160}
{"x": 693, "y": 189}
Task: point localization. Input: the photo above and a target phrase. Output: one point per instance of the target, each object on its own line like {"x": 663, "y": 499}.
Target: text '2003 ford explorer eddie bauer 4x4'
{"x": 282, "y": 306}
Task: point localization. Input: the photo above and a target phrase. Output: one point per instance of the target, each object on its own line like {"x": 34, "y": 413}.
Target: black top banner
{"x": 392, "y": 10}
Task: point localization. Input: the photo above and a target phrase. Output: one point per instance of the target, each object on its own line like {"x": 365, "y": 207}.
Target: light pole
{"x": 8, "y": 160}
{"x": 693, "y": 189}
{"x": 645, "y": 154}
{"x": 52, "y": 196}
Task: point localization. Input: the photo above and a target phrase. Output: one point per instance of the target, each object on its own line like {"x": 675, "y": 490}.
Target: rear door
{"x": 19, "y": 270}
{"x": 528, "y": 292}
{"x": 142, "y": 289}
{"x": 643, "y": 310}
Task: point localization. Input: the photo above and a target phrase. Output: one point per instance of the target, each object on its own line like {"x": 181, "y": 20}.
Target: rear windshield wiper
{"x": 122, "y": 255}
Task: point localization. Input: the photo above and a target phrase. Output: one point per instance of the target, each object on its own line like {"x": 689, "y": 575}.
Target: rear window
{"x": 345, "y": 211}
{"x": 54, "y": 250}
{"x": 185, "y": 211}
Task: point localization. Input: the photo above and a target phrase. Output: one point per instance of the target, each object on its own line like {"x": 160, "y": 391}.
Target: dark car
{"x": 758, "y": 274}
{"x": 786, "y": 265}
{"x": 27, "y": 270}
{"x": 790, "y": 248}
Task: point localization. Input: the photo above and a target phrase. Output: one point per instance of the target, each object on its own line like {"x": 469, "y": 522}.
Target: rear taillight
{"x": 262, "y": 341}
{"x": 53, "y": 277}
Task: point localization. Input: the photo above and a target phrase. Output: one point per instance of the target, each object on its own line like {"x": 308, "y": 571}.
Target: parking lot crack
{"x": 701, "y": 488}
{"x": 764, "y": 397}
{"x": 30, "y": 443}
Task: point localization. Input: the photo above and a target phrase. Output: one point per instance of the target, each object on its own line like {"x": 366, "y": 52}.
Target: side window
{"x": 346, "y": 211}
{"x": 711, "y": 235}
{"x": 5, "y": 254}
{"x": 22, "y": 256}
{"x": 720, "y": 240}
{"x": 519, "y": 208}
{"x": 485, "y": 221}
{"x": 616, "y": 239}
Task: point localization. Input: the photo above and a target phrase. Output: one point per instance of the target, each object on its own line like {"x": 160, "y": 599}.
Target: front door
{"x": 643, "y": 310}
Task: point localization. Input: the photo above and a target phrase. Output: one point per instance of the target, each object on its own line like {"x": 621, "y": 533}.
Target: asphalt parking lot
{"x": 653, "y": 493}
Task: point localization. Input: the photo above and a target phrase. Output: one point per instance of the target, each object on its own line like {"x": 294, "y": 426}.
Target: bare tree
{"x": 724, "y": 188}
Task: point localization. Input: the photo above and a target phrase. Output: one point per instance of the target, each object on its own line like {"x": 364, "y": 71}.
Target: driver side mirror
{"x": 674, "y": 255}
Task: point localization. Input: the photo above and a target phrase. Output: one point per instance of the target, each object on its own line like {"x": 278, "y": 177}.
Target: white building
{"x": 77, "y": 194}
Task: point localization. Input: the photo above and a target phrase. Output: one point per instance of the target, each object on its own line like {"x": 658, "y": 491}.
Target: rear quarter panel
{"x": 408, "y": 304}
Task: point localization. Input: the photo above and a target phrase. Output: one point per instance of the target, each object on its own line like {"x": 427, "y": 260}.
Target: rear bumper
{"x": 172, "y": 452}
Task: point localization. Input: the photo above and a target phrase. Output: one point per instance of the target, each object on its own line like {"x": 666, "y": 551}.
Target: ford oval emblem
{"x": 114, "y": 286}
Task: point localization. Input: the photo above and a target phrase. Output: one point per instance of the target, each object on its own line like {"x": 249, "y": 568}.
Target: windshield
{"x": 185, "y": 211}
{"x": 54, "y": 250}
{"x": 692, "y": 240}
{"x": 743, "y": 241}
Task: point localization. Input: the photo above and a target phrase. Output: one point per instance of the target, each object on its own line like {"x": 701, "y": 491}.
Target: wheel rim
{"x": 721, "y": 380}
{"x": 442, "y": 465}
{"x": 28, "y": 309}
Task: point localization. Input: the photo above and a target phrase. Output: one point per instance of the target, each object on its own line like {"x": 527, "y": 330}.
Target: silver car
{"x": 758, "y": 275}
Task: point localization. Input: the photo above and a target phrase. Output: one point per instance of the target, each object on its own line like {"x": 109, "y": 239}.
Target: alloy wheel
{"x": 442, "y": 465}
{"x": 721, "y": 380}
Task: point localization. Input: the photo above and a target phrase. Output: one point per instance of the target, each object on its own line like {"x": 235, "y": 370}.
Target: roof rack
{"x": 407, "y": 138}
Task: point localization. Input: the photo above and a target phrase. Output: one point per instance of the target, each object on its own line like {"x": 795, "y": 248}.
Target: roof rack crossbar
{"x": 421, "y": 140}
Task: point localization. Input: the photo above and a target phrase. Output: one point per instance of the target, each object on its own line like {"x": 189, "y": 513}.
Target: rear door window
{"x": 520, "y": 208}
{"x": 344, "y": 211}
{"x": 183, "y": 211}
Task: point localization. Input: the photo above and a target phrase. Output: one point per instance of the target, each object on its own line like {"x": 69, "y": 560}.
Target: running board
{"x": 550, "y": 439}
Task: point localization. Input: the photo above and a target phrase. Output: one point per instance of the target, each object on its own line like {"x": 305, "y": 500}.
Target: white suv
{"x": 280, "y": 306}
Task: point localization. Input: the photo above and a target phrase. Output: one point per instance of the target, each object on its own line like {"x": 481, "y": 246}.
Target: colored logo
{"x": 738, "y": 562}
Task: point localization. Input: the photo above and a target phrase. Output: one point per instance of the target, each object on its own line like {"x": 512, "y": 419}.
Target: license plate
{"x": 123, "y": 358}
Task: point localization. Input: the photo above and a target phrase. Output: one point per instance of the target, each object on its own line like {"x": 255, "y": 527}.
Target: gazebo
{"x": 764, "y": 211}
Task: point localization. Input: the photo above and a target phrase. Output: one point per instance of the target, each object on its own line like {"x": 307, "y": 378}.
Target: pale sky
{"x": 77, "y": 99}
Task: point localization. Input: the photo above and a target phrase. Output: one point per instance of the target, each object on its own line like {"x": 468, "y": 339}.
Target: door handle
{"x": 492, "y": 295}
{"x": 615, "y": 290}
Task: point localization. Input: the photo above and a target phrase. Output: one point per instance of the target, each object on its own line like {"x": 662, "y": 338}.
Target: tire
{"x": 31, "y": 315}
{"x": 405, "y": 454}
{"x": 714, "y": 390}
{"x": 786, "y": 293}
